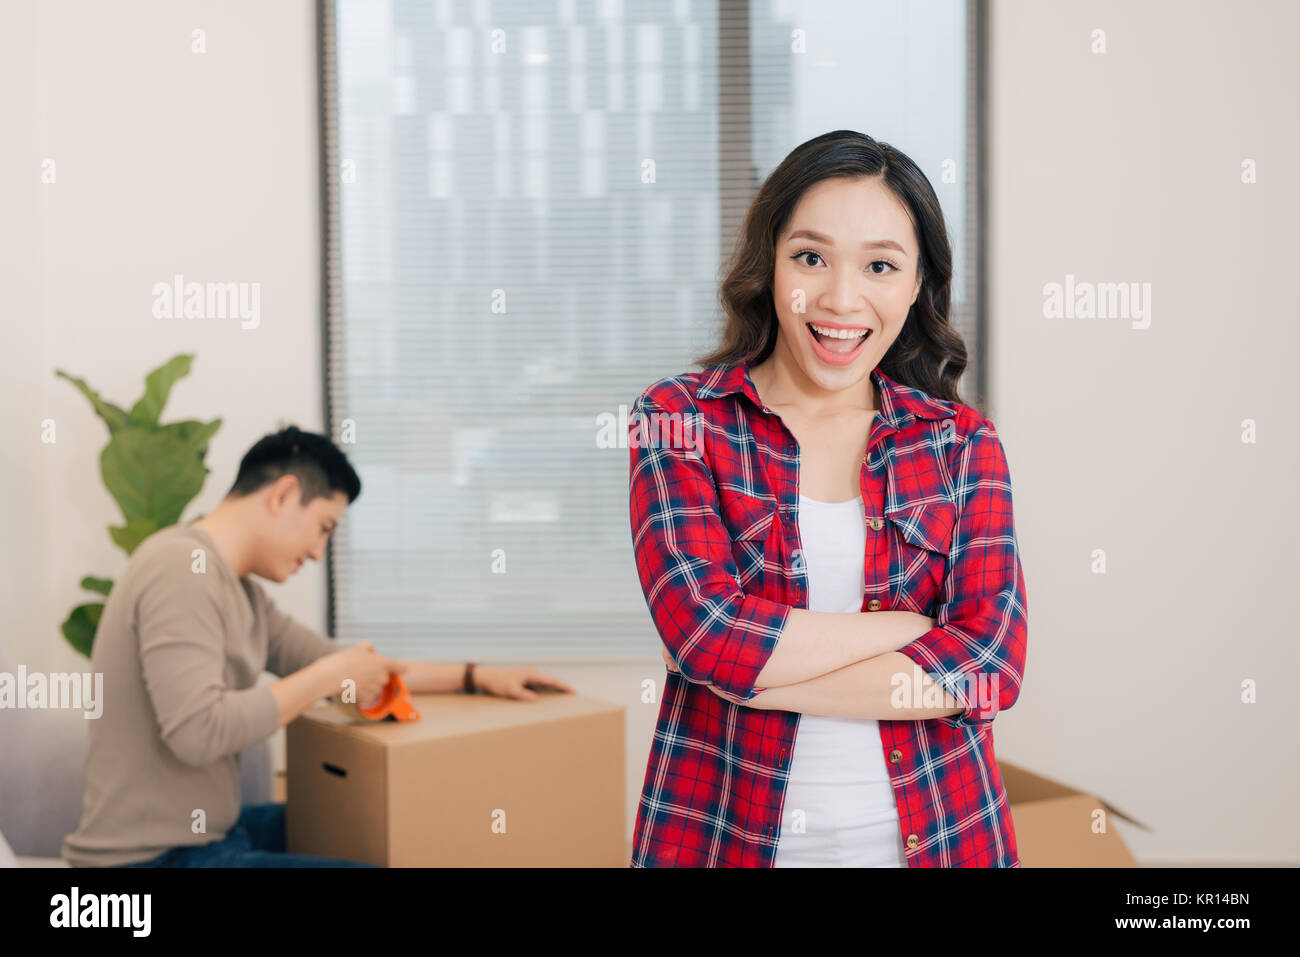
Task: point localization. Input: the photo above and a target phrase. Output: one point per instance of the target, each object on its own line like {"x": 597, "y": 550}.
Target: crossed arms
{"x": 961, "y": 667}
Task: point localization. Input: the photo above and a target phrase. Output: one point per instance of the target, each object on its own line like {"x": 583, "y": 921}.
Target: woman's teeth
{"x": 839, "y": 342}
{"x": 839, "y": 333}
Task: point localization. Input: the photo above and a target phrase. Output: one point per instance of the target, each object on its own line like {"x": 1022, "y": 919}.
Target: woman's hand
{"x": 754, "y": 702}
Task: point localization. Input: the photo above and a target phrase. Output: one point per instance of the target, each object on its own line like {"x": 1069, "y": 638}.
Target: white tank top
{"x": 839, "y": 806}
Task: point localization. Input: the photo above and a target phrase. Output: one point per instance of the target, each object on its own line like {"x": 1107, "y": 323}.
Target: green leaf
{"x": 192, "y": 433}
{"x": 101, "y": 585}
{"x": 157, "y": 386}
{"x": 81, "y": 625}
{"x": 128, "y": 537}
{"x": 115, "y": 418}
{"x": 152, "y": 473}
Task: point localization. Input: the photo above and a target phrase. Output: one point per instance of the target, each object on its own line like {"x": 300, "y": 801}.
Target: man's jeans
{"x": 256, "y": 840}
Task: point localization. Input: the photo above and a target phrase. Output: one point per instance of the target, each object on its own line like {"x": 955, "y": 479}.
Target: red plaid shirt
{"x": 714, "y": 492}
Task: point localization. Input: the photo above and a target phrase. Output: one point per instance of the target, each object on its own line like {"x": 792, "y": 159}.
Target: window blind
{"x": 526, "y": 211}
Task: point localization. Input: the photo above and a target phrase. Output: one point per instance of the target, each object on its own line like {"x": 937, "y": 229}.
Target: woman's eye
{"x": 889, "y": 266}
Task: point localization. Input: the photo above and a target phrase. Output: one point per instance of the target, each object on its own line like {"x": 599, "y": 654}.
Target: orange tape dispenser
{"x": 394, "y": 703}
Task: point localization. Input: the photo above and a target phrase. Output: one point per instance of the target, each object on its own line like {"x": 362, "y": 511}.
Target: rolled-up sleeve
{"x": 976, "y": 650}
{"x": 715, "y": 632}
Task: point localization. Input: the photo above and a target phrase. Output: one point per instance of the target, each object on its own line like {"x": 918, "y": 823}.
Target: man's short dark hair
{"x": 320, "y": 465}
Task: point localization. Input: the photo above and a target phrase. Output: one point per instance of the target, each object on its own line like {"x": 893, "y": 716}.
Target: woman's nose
{"x": 845, "y": 296}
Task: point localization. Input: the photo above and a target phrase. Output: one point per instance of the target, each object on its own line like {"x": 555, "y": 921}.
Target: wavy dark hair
{"x": 929, "y": 353}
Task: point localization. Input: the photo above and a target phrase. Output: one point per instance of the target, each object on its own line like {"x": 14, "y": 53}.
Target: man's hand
{"x": 517, "y": 682}
{"x": 369, "y": 670}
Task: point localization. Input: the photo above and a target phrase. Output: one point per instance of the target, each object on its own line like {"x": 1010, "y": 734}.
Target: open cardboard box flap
{"x": 1058, "y": 826}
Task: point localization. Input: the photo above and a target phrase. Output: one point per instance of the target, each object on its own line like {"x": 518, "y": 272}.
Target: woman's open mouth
{"x": 837, "y": 347}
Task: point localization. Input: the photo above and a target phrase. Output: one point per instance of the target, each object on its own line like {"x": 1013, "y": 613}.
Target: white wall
{"x": 1126, "y": 167}
{"x": 167, "y": 161}
{"x": 1122, "y": 167}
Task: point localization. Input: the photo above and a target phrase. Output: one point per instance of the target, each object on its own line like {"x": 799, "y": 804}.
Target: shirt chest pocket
{"x": 921, "y": 538}
{"x": 750, "y": 523}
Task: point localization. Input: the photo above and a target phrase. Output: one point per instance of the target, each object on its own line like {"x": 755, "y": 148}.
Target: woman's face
{"x": 846, "y": 264}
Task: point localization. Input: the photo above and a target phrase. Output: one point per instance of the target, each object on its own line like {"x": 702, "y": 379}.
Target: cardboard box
{"x": 1055, "y": 823}
{"x": 478, "y": 781}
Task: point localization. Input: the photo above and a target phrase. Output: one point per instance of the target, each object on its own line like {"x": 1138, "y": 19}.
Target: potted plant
{"x": 152, "y": 470}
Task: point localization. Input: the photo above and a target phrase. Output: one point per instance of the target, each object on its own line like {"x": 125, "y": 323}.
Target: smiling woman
{"x": 856, "y": 253}
{"x": 847, "y": 528}
{"x": 838, "y": 279}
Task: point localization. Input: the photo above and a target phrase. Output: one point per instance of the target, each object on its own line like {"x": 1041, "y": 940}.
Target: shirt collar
{"x": 899, "y": 403}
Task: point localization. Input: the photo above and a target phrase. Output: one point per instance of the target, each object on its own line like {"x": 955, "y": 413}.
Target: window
{"x": 527, "y": 207}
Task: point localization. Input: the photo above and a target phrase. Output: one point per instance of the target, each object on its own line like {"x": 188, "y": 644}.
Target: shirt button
{"x": 876, "y": 523}
{"x": 873, "y": 605}
{"x": 913, "y": 840}
{"x": 895, "y": 756}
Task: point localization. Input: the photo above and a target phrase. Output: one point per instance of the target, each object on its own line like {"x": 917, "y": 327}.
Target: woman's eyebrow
{"x": 827, "y": 241}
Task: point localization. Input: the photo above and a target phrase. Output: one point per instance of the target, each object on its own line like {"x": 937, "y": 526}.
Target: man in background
{"x": 185, "y": 635}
